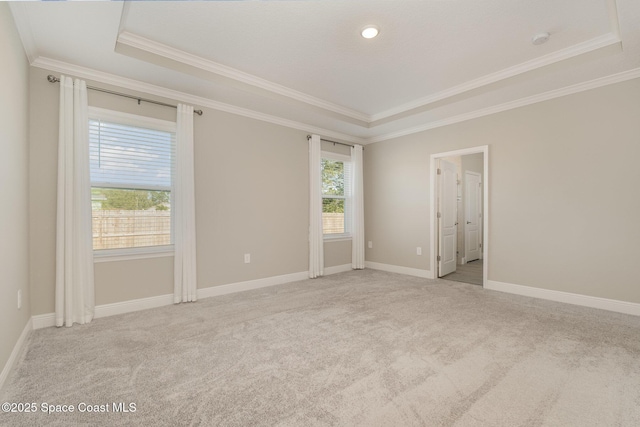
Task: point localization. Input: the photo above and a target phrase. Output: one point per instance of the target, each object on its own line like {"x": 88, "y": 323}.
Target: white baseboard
{"x": 337, "y": 269}
{"x": 43, "y": 320}
{"x": 47, "y": 320}
{"x": 251, "y": 284}
{"x": 269, "y": 281}
{"x": 566, "y": 297}
{"x": 398, "y": 269}
{"x": 112, "y": 309}
{"x": 17, "y": 350}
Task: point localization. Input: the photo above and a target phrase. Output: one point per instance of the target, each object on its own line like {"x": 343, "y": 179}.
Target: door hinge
{"x": 438, "y": 214}
{"x": 439, "y": 171}
{"x": 438, "y": 257}
{"x": 480, "y": 244}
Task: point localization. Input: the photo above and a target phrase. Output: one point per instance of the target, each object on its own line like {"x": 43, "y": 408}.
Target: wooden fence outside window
{"x": 115, "y": 229}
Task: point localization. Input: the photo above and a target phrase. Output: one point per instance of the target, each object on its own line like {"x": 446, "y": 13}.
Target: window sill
{"x": 337, "y": 237}
{"x": 111, "y": 255}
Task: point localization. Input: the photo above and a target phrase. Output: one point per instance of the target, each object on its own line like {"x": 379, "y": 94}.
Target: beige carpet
{"x": 364, "y": 348}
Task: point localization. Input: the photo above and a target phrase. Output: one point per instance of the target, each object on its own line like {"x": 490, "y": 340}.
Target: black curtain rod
{"x": 333, "y": 142}
{"x": 54, "y": 79}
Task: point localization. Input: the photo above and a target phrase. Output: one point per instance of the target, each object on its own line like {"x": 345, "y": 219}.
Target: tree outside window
{"x": 334, "y": 197}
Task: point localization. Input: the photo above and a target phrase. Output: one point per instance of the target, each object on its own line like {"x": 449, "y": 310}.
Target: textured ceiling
{"x": 305, "y": 62}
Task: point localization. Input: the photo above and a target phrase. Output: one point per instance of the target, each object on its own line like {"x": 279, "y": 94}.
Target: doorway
{"x": 459, "y": 220}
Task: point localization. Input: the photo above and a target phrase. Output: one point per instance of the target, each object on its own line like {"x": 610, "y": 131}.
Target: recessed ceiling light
{"x": 540, "y": 38}
{"x": 369, "y": 32}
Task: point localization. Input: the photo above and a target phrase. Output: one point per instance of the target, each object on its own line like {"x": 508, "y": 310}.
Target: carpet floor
{"x": 362, "y": 348}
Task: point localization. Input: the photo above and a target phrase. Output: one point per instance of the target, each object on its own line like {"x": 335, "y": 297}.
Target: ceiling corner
{"x": 21, "y": 19}
{"x": 188, "y": 61}
{"x": 614, "y": 19}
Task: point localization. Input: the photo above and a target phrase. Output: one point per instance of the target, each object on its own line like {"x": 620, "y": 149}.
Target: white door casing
{"x": 472, "y": 216}
{"x": 433, "y": 203}
{"x": 447, "y": 221}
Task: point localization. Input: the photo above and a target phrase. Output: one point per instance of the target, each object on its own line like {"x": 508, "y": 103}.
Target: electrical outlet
{"x": 418, "y": 250}
{"x": 19, "y": 299}
{"x": 370, "y": 244}
{"x": 247, "y": 258}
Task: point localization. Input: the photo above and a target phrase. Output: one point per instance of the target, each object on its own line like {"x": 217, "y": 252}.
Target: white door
{"x": 472, "y": 216}
{"x": 447, "y": 214}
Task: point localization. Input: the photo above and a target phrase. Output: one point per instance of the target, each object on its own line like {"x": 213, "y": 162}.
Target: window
{"x": 131, "y": 166}
{"x": 336, "y": 195}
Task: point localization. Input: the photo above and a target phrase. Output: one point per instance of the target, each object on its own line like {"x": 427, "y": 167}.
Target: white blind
{"x": 131, "y": 171}
{"x": 125, "y": 156}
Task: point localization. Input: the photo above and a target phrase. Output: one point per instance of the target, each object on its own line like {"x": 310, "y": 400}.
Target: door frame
{"x": 433, "y": 188}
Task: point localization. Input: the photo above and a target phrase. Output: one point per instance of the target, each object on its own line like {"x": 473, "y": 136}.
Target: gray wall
{"x": 14, "y": 181}
{"x": 473, "y": 163}
{"x": 251, "y": 181}
{"x": 563, "y": 200}
{"x": 557, "y": 222}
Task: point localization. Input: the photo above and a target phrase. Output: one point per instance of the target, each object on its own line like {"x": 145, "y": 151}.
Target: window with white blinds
{"x": 131, "y": 163}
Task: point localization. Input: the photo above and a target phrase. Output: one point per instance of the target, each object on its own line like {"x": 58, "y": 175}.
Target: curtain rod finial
{"x": 52, "y": 79}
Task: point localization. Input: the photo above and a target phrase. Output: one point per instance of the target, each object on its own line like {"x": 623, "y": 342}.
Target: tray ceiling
{"x": 305, "y": 63}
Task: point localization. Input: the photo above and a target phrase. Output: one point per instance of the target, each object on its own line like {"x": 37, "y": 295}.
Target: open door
{"x": 447, "y": 214}
{"x": 472, "y": 216}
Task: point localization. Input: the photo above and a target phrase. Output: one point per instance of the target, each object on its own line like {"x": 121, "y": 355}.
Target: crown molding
{"x": 138, "y": 86}
{"x": 150, "y": 46}
{"x": 156, "y": 48}
{"x": 534, "y": 99}
{"x": 23, "y": 24}
{"x": 543, "y": 61}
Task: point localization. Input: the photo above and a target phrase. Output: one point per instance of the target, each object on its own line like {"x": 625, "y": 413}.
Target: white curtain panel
{"x": 184, "y": 210}
{"x": 75, "y": 302}
{"x": 316, "y": 247}
{"x": 357, "y": 242}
